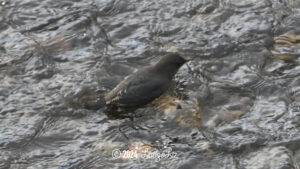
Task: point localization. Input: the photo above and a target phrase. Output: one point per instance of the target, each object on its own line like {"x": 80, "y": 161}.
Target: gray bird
{"x": 146, "y": 84}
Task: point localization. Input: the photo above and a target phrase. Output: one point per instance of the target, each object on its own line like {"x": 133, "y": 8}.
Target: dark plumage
{"x": 146, "y": 84}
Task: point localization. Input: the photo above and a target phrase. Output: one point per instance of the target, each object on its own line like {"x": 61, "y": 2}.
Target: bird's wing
{"x": 138, "y": 91}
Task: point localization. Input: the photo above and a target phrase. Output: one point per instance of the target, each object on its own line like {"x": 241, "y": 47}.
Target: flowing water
{"x": 235, "y": 106}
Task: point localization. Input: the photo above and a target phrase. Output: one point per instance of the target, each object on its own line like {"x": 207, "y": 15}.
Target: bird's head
{"x": 169, "y": 64}
{"x": 173, "y": 59}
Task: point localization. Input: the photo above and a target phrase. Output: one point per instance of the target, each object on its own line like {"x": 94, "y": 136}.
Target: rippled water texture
{"x": 236, "y": 105}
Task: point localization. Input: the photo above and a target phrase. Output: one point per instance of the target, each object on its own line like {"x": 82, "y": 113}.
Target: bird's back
{"x": 137, "y": 89}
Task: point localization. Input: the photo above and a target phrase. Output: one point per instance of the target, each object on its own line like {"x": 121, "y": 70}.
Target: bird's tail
{"x": 95, "y": 105}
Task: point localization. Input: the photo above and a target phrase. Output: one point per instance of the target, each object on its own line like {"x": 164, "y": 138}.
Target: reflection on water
{"x": 236, "y": 105}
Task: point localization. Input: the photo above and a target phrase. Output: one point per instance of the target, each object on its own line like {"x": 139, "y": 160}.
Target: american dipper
{"x": 146, "y": 84}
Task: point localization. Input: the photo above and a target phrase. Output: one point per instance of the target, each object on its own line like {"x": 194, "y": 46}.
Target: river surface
{"x": 235, "y": 106}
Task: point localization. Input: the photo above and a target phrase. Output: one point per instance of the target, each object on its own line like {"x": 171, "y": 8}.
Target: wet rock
{"x": 106, "y": 147}
{"x": 229, "y": 116}
{"x": 286, "y": 46}
{"x": 276, "y": 157}
{"x": 186, "y": 113}
{"x": 140, "y": 151}
{"x": 230, "y": 112}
